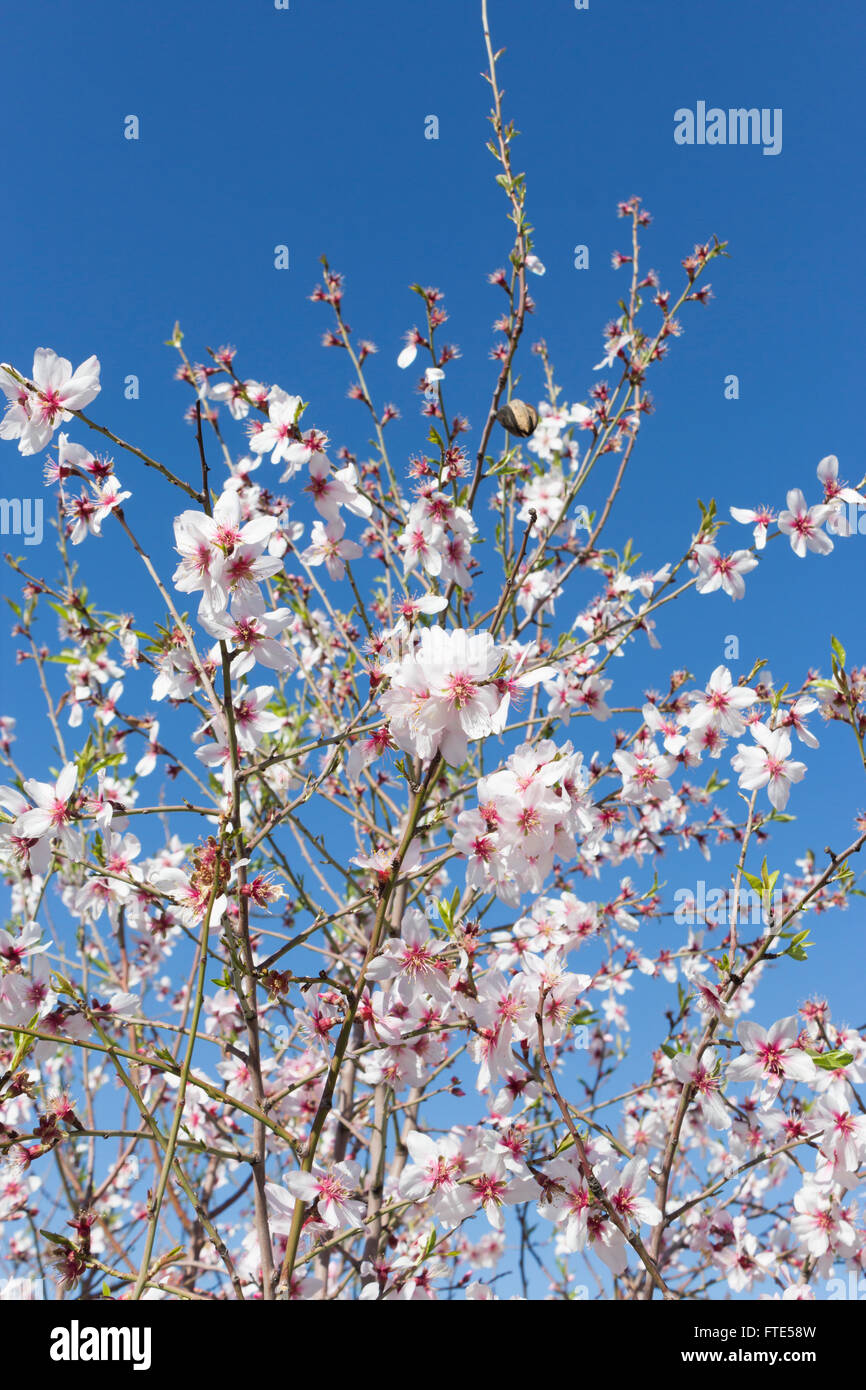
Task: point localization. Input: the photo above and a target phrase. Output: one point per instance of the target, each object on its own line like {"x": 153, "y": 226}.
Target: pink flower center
{"x": 460, "y": 690}
{"x": 227, "y": 537}
{"x": 51, "y": 405}
{"x": 772, "y": 1058}
{"x": 245, "y": 712}
{"x": 417, "y": 960}
{"x": 240, "y": 570}
{"x": 623, "y": 1201}
{"x": 331, "y": 1189}
{"x": 438, "y": 1173}
{"x": 246, "y": 633}
{"x": 529, "y": 820}
{"x": 488, "y": 1189}
{"x": 645, "y": 774}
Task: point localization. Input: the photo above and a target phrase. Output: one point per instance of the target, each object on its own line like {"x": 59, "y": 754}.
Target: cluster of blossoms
{"x": 801, "y": 523}
{"x": 36, "y": 409}
{"x": 553, "y": 441}
{"x": 437, "y": 538}
{"x": 530, "y": 813}
{"x": 443, "y": 694}
{"x": 331, "y": 957}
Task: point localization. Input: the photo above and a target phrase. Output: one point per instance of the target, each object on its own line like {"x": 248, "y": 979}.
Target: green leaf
{"x": 832, "y": 1061}
{"x": 716, "y": 783}
{"x": 799, "y": 945}
{"x": 583, "y": 1017}
{"x": 56, "y": 1239}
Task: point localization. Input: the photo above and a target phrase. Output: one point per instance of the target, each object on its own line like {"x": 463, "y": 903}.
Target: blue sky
{"x": 306, "y": 127}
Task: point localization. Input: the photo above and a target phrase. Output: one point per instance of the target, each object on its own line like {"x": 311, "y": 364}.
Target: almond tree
{"x": 317, "y": 834}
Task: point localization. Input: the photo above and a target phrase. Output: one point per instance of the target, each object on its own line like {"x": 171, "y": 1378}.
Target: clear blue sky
{"x": 306, "y": 127}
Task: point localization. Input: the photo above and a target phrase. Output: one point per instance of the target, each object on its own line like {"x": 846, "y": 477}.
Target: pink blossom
{"x": 721, "y": 705}
{"x": 330, "y": 1189}
{"x": 52, "y": 812}
{"x": 803, "y": 524}
{"x": 329, "y": 547}
{"x": 411, "y": 960}
{"x": 761, "y": 517}
{"x": 768, "y": 765}
{"x": 699, "y": 1073}
{"x": 33, "y": 416}
{"x": 724, "y": 571}
{"x": 771, "y": 1056}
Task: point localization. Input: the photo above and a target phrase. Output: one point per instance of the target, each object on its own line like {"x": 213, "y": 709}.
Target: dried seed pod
{"x": 518, "y": 418}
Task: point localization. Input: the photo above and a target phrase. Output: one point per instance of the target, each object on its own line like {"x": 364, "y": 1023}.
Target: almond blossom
{"x": 625, "y": 1191}
{"x": 721, "y": 705}
{"x": 761, "y": 517}
{"x": 52, "y": 811}
{"x": 442, "y": 696}
{"x": 434, "y": 1176}
{"x": 330, "y": 547}
{"x": 838, "y": 495}
{"x": 771, "y": 1056}
{"x": 331, "y": 491}
{"x": 724, "y": 572}
{"x": 699, "y": 1073}
{"x": 278, "y": 435}
{"x": 645, "y": 774}
{"x": 821, "y": 1224}
{"x": 843, "y": 1141}
{"x": 769, "y": 764}
{"x": 802, "y": 525}
{"x": 33, "y": 416}
{"x": 221, "y": 554}
{"x": 412, "y": 961}
{"x": 330, "y": 1190}
{"x": 252, "y": 632}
